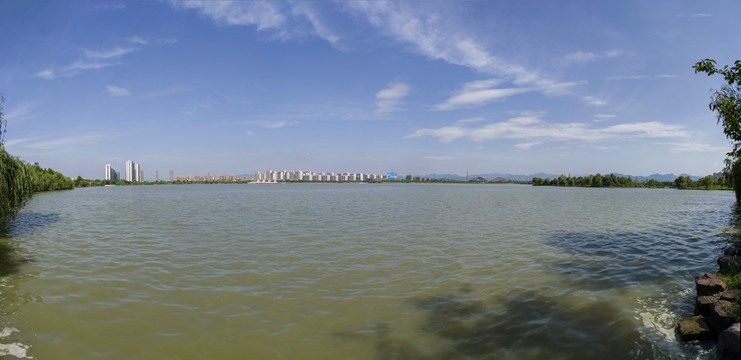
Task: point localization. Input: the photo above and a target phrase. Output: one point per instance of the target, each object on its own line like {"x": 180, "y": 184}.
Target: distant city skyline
{"x": 366, "y": 86}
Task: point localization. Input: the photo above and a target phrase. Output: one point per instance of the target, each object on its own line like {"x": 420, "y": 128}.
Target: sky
{"x": 419, "y": 87}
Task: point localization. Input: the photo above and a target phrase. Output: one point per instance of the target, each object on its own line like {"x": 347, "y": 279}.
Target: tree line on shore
{"x": 611, "y": 180}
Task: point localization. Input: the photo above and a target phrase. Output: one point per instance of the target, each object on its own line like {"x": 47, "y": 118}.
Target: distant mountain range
{"x": 657, "y": 177}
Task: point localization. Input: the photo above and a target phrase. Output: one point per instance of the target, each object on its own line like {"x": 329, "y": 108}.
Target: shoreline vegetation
{"x": 595, "y": 181}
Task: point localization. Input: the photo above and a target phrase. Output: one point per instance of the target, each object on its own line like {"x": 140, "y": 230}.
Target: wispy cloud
{"x": 697, "y": 147}
{"x": 116, "y": 91}
{"x": 20, "y": 112}
{"x": 389, "y": 99}
{"x": 533, "y": 130}
{"x": 593, "y": 101}
{"x": 39, "y": 144}
{"x": 275, "y": 124}
{"x": 137, "y": 40}
{"x": 481, "y": 92}
{"x": 283, "y": 19}
{"x": 581, "y": 57}
{"x": 141, "y": 41}
{"x": 603, "y": 117}
{"x": 527, "y": 145}
{"x": 92, "y": 60}
{"x": 433, "y": 35}
{"x": 114, "y": 53}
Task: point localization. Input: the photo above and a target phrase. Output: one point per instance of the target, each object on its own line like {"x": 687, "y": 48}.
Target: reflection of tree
{"x": 23, "y": 223}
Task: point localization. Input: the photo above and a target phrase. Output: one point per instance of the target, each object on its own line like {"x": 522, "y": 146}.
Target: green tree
{"x": 15, "y": 177}
{"x": 726, "y": 102}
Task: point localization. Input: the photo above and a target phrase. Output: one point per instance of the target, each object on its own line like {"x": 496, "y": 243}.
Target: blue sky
{"x": 418, "y": 87}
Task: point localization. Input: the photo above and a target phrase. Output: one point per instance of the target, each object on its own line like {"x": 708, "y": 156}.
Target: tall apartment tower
{"x": 133, "y": 172}
{"x": 172, "y": 175}
{"x": 110, "y": 172}
{"x": 129, "y": 171}
{"x": 156, "y": 175}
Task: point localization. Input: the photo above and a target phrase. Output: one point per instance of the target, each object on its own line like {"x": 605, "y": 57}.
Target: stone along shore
{"x": 712, "y": 304}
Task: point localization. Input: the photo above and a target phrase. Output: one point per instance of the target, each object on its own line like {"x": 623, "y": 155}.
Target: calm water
{"x": 357, "y": 271}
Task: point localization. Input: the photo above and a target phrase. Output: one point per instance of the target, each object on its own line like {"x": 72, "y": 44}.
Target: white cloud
{"x": 471, "y": 120}
{"x": 592, "y": 101}
{"x": 533, "y": 130}
{"x": 528, "y": 145}
{"x": 697, "y": 147}
{"x": 275, "y": 124}
{"x": 388, "y": 99}
{"x": 249, "y": 133}
{"x": 285, "y": 19}
{"x": 137, "y": 40}
{"x": 603, "y": 117}
{"x": 480, "y": 92}
{"x": 581, "y": 57}
{"x": 91, "y": 61}
{"x": 261, "y": 14}
{"x": 47, "y": 74}
{"x": 116, "y": 91}
{"x": 116, "y": 52}
{"x": 433, "y": 35}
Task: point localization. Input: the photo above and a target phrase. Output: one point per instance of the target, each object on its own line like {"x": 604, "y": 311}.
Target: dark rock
{"x": 729, "y": 343}
{"x": 732, "y": 251}
{"x": 726, "y": 262}
{"x": 704, "y": 305}
{"x": 719, "y": 319}
{"x": 709, "y": 284}
{"x": 694, "y": 328}
{"x": 730, "y": 295}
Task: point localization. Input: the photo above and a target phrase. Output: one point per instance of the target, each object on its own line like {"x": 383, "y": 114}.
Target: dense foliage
{"x": 726, "y": 102}
{"x": 48, "y": 179}
{"x": 16, "y": 184}
{"x": 611, "y": 180}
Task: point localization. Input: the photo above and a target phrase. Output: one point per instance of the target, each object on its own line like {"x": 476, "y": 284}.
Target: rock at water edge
{"x": 729, "y": 343}
{"x": 709, "y": 284}
{"x": 694, "y": 328}
{"x": 719, "y": 319}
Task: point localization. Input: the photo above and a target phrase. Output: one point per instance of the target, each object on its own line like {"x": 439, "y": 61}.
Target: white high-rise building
{"x": 129, "y": 171}
{"x": 110, "y": 172}
{"x": 133, "y": 172}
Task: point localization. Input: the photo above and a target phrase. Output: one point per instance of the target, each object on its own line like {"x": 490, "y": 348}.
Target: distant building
{"x": 133, "y": 172}
{"x": 156, "y": 175}
{"x": 172, "y": 175}
{"x": 110, "y": 173}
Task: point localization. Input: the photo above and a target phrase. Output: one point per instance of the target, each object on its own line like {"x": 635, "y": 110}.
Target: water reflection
{"x": 528, "y": 325}
{"x": 23, "y": 224}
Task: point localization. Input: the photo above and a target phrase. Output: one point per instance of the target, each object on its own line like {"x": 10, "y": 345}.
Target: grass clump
{"x": 732, "y": 278}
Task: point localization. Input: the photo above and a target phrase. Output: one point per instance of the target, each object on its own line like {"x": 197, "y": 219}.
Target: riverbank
{"x": 718, "y": 307}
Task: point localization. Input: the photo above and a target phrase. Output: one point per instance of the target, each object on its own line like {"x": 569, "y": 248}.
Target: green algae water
{"x": 356, "y": 271}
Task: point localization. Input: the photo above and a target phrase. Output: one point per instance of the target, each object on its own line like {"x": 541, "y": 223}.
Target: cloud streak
{"x": 533, "y": 131}
{"x": 116, "y": 91}
{"x": 285, "y": 20}
{"x": 480, "y": 92}
{"x": 388, "y": 99}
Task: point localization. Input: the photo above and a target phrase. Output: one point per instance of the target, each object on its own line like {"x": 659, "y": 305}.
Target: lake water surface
{"x": 357, "y": 271}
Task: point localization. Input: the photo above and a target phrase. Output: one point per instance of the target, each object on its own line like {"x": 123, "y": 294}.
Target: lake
{"x": 357, "y": 271}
